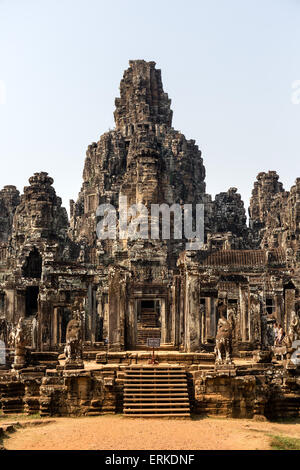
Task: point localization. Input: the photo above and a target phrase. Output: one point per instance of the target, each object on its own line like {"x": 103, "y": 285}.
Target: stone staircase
{"x": 156, "y": 391}
{"x": 144, "y": 333}
{"x": 147, "y": 327}
{"x": 148, "y": 318}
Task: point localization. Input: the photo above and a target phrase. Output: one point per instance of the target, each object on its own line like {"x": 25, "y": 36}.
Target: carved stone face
{"x": 73, "y": 330}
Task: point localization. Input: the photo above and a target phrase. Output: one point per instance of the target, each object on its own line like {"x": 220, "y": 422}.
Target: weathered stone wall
{"x": 9, "y": 200}
{"x": 39, "y": 222}
{"x": 275, "y": 216}
{"x": 247, "y": 391}
{"x": 67, "y": 393}
{"x": 258, "y": 390}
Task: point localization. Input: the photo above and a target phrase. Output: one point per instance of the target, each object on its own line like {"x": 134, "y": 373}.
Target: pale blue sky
{"x": 227, "y": 65}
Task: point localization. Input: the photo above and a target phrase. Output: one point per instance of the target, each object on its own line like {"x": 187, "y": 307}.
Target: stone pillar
{"x": 89, "y": 314}
{"x": 117, "y": 309}
{"x": 193, "y": 315}
{"x": 279, "y": 307}
{"x": 163, "y": 321}
{"x": 203, "y": 322}
{"x": 244, "y": 303}
{"x": 10, "y": 304}
{"x": 289, "y": 307}
{"x": 177, "y": 297}
{"x": 172, "y": 314}
{"x": 213, "y": 322}
{"x": 122, "y": 313}
{"x": 182, "y": 307}
{"x": 255, "y": 335}
{"x": 54, "y": 335}
{"x": 20, "y": 305}
{"x": 207, "y": 317}
{"x": 93, "y": 316}
{"x": 131, "y": 325}
{"x": 105, "y": 314}
{"x": 46, "y": 326}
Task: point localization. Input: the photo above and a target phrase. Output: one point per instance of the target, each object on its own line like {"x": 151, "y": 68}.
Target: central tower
{"x": 147, "y": 162}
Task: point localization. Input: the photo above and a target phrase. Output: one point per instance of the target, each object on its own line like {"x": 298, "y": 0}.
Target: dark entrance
{"x": 147, "y": 304}
{"x": 33, "y": 265}
{"x": 148, "y": 321}
{"x": 65, "y": 317}
{"x": 31, "y": 301}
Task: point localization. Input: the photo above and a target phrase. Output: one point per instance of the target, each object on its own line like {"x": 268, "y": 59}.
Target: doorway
{"x": 33, "y": 265}
{"x": 148, "y": 321}
{"x": 31, "y": 301}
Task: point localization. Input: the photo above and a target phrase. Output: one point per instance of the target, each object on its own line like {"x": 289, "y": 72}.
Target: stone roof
{"x": 243, "y": 258}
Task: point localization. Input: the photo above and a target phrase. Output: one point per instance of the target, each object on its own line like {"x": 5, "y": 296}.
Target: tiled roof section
{"x": 243, "y": 258}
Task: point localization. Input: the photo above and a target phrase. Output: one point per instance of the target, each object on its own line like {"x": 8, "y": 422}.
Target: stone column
{"x": 54, "y": 335}
{"x": 131, "y": 325}
{"x": 279, "y": 307}
{"x": 244, "y": 303}
{"x": 20, "y": 304}
{"x": 47, "y": 323}
{"x": 213, "y": 322}
{"x": 289, "y": 307}
{"x": 10, "y": 304}
{"x": 93, "y": 316}
{"x": 182, "y": 307}
{"x": 105, "y": 312}
{"x": 122, "y": 313}
{"x": 117, "y": 309}
{"x": 193, "y": 315}
{"x": 207, "y": 317}
{"x": 163, "y": 321}
{"x": 172, "y": 307}
{"x": 203, "y": 322}
{"x": 255, "y": 334}
{"x": 177, "y": 296}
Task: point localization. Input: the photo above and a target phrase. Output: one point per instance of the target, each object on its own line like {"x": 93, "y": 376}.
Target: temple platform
{"x": 142, "y": 357}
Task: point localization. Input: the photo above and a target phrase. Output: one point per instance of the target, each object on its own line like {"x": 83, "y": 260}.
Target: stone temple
{"x": 127, "y": 291}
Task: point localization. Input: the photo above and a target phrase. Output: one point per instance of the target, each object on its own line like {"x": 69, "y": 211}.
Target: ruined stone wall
{"x": 275, "y": 215}
{"x": 39, "y": 214}
{"x": 266, "y": 186}
{"x": 9, "y": 200}
{"x": 226, "y": 225}
{"x": 39, "y": 278}
{"x": 40, "y": 226}
{"x": 250, "y": 391}
{"x": 68, "y": 393}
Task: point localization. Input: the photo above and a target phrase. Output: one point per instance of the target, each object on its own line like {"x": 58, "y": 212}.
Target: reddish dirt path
{"x": 119, "y": 433}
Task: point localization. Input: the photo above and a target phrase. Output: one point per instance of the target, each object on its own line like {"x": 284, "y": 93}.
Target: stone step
{"x": 154, "y": 373}
{"x": 150, "y": 394}
{"x": 149, "y": 332}
{"x": 156, "y": 391}
{"x": 155, "y": 399}
{"x": 158, "y": 380}
{"x": 158, "y": 415}
{"x": 153, "y": 376}
{"x": 176, "y": 410}
{"x": 156, "y": 368}
{"x": 144, "y": 406}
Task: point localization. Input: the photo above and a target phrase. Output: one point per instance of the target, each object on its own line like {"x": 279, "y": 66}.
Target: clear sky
{"x": 227, "y": 65}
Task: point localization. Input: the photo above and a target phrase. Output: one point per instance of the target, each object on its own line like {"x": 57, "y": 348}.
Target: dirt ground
{"x": 116, "y": 432}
